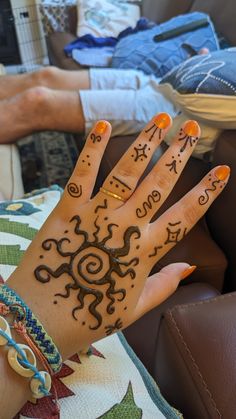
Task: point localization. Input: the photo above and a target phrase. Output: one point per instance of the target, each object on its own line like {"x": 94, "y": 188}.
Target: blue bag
{"x": 141, "y": 52}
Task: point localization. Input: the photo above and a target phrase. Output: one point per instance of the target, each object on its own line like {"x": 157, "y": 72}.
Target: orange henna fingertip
{"x": 222, "y": 172}
{"x": 101, "y": 127}
{"x": 162, "y": 120}
{"x": 188, "y": 271}
{"x": 192, "y": 128}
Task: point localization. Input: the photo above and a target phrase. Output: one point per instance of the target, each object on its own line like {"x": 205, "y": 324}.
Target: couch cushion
{"x": 204, "y": 86}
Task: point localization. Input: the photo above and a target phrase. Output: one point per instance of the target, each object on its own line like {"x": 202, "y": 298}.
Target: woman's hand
{"x": 85, "y": 274}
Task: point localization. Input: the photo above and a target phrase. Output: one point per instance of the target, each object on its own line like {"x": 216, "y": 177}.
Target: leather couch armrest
{"x": 195, "y": 358}
{"x": 56, "y": 42}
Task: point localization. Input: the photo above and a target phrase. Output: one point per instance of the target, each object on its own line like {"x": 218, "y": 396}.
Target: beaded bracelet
{"x": 33, "y": 326}
{"x": 22, "y": 360}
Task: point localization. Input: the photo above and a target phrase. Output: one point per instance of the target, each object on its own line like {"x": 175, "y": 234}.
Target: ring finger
{"x": 122, "y": 180}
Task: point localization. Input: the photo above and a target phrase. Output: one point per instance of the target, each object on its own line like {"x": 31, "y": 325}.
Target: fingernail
{"x": 192, "y": 129}
{"x": 188, "y": 271}
{"x": 222, "y": 172}
{"x": 101, "y": 127}
{"x": 162, "y": 120}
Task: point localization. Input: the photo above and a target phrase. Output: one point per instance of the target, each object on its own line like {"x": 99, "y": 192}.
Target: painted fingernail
{"x": 101, "y": 127}
{"x": 222, "y": 172}
{"x": 162, "y": 120}
{"x": 188, "y": 271}
{"x": 192, "y": 129}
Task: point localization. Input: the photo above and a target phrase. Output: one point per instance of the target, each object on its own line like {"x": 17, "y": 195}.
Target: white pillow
{"x": 104, "y": 18}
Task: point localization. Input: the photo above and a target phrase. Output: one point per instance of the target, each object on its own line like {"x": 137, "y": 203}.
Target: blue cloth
{"x": 139, "y": 51}
{"x": 90, "y": 41}
{"x": 213, "y": 74}
{"x": 93, "y": 57}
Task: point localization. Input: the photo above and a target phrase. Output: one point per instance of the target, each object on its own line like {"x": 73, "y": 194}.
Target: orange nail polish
{"x": 162, "y": 120}
{"x": 188, "y": 271}
{"x": 101, "y": 127}
{"x": 192, "y": 129}
{"x": 222, "y": 172}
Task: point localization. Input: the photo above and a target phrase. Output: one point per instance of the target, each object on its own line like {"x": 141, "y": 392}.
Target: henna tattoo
{"x": 104, "y": 206}
{"x": 174, "y": 235}
{"x": 84, "y": 161}
{"x": 116, "y": 326}
{"x": 154, "y": 131}
{"x": 121, "y": 182}
{"x": 172, "y": 166}
{"x": 203, "y": 199}
{"x": 188, "y": 139}
{"x": 155, "y": 251}
{"x": 95, "y": 138}
{"x": 74, "y": 190}
{"x": 140, "y": 152}
{"x": 154, "y": 197}
{"x": 91, "y": 265}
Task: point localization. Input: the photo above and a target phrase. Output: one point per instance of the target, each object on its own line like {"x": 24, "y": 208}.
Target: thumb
{"x": 161, "y": 285}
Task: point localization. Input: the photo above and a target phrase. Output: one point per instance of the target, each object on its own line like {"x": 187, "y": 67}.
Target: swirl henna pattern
{"x": 74, "y": 190}
{"x": 203, "y": 199}
{"x": 154, "y": 197}
{"x": 91, "y": 266}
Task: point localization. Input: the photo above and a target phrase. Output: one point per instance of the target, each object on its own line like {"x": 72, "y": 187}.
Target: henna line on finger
{"x": 152, "y": 198}
{"x": 156, "y": 248}
{"x": 203, "y": 199}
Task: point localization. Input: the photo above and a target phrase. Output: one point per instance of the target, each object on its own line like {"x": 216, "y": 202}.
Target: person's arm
{"x": 85, "y": 273}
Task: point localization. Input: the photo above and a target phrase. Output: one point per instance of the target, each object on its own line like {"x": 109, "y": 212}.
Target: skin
{"x": 84, "y": 222}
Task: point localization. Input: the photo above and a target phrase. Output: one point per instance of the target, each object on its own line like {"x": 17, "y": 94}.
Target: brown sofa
{"x": 187, "y": 343}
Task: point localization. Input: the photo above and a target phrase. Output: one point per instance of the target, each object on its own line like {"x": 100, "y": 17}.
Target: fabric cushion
{"x": 205, "y": 87}
{"x": 105, "y": 18}
{"x": 55, "y": 15}
{"x": 19, "y": 222}
{"x": 11, "y": 185}
{"x": 142, "y": 52}
{"x": 107, "y": 380}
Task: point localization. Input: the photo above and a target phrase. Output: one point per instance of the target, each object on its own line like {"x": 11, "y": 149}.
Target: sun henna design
{"x": 74, "y": 190}
{"x": 116, "y": 326}
{"x": 91, "y": 266}
{"x": 188, "y": 139}
{"x": 154, "y": 197}
{"x": 153, "y": 128}
{"x": 203, "y": 199}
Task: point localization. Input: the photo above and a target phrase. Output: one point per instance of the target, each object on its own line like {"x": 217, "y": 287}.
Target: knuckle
{"x": 191, "y": 214}
{"x": 162, "y": 182}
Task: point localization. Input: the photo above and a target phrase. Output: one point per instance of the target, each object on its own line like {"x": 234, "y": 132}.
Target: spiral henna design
{"x": 91, "y": 266}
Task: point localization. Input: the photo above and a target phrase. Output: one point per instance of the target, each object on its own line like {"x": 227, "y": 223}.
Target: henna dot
{"x": 149, "y": 148}
{"x": 123, "y": 190}
{"x": 83, "y": 323}
{"x": 140, "y": 145}
{"x": 89, "y": 164}
{"x": 125, "y": 308}
{"x": 66, "y": 231}
{"x": 117, "y": 186}
{"x": 178, "y": 155}
{"x": 132, "y": 286}
{"x": 106, "y": 218}
{"x": 83, "y": 161}
{"x": 137, "y": 247}
{"x": 87, "y": 155}
{"x": 41, "y": 256}
{"x": 111, "y": 182}
{"x": 55, "y": 302}
{"x": 180, "y": 161}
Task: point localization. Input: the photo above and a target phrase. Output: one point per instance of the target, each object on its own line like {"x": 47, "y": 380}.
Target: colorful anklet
{"x": 33, "y": 326}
